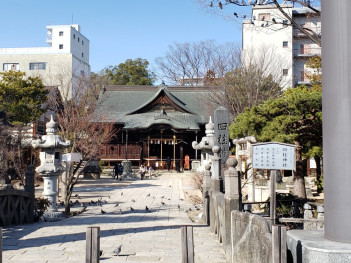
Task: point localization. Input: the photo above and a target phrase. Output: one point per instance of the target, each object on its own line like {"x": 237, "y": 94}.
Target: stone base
{"x": 91, "y": 175}
{"x": 52, "y": 216}
{"x": 312, "y": 247}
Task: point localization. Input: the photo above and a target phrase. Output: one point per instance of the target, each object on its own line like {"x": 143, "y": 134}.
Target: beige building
{"x": 281, "y": 50}
{"x": 64, "y": 63}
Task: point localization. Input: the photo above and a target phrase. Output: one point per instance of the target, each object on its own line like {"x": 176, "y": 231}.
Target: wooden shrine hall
{"x": 154, "y": 123}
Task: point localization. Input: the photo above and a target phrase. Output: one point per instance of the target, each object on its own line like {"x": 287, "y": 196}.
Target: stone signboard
{"x": 221, "y": 129}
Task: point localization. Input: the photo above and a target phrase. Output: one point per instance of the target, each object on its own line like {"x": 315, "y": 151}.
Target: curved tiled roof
{"x": 127, "y": 105}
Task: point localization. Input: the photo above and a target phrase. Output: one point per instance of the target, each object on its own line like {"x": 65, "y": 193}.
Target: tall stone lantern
{"x": 51, "y": 167}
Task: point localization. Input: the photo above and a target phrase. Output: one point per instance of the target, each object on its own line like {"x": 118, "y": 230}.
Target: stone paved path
{"x": 145, "y": 236}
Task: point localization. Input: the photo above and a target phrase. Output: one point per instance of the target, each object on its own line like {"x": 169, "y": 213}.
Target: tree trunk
{"x": 319, "y": 174}
{"x": 299, "y": 176}
{"x": 65, "y": 188}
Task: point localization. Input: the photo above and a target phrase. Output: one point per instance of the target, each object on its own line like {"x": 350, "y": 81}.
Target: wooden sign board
{"x": 273, "y": 156}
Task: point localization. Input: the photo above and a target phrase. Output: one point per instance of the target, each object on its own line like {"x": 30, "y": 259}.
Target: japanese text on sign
{"x": 273, "y": 156}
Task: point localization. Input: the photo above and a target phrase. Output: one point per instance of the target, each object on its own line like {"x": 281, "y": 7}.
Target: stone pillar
{"x": 216, "y": 170}
{"x": 29, "y": 180}
{"x": 206, "y": 194}
{"x": 232, "y": 201}
{"x": 29, "y": 188}
{"x": 336, "y": 53}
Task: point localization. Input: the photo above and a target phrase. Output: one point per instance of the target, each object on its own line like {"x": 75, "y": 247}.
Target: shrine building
{"x": 154, "y": 123}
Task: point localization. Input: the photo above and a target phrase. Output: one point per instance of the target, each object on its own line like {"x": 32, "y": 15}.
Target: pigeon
{"x": 101, "y": 253}
{"x": 220, "y": 5}
{"x": 181, "y": 199}
{"x": 117, "y": 250}
{"x": 147, "y": 209}
{"x": 117, "y": 204}
{"x": 132, "y": 209}
{"x": 76, "y": 195}
{"x": 211, "y": 4}
{"x": 103, "y": 212}
{"x": 162, "y": 203}
{"x": 133, "y": 200}
{"x": 178, "y": 206}
{"x": 148, "y": 194}
{"x": 122, "y": 193}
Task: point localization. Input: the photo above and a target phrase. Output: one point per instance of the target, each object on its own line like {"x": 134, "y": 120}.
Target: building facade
{"x": 280, "y": 49}
{"x": 64, "y": 63}
{"x": 153, "y": 123}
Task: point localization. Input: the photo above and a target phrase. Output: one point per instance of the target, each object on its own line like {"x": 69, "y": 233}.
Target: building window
{"x": 61, "y": 33}
{"x": 78, "y": 39}
{"x": 285, "y": 22}
{"x": 285, "y": 72}
{"x": 37, "y": 66}
{"x": 74, "y": 36}
{"x": 82, "y": 54}
{"x": 82, "y": 42}
{"x": 10, "y": 66}
{"x": 285, "y": 43}
{"x": 61, "y": 46}
{"x": 264, "y": 17}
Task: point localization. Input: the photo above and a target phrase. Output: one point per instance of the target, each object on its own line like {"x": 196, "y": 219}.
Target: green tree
{"x": 295, "y": 117}
{"x": 20, "y": 97}
{"x": 132, "y": 72}
{"x": 22, "y": 100}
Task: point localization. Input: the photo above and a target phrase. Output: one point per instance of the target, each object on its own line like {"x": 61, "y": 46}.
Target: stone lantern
{"x": 51, "y": 167}
{"x": 206, "y": 145}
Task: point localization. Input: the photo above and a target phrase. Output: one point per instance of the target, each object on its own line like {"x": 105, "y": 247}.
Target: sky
{"x": 117, "y": 30}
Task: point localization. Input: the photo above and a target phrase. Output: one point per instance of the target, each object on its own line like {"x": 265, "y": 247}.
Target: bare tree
{"x": 189, "y": 63}
{"x": 86, "y": 134}
{"x": 313, "y": 10}
{"x": 258, "y": 78}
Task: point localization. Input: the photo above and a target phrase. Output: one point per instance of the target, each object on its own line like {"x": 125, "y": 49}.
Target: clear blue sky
{"x": 117, "y": 30}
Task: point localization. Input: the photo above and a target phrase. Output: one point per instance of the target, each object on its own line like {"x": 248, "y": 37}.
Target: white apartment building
{"x": 281, "y": 50}
{"x": 64, "y": 63}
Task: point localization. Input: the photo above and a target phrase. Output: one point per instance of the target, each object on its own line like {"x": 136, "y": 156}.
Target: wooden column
{"x": 93, "y": 245}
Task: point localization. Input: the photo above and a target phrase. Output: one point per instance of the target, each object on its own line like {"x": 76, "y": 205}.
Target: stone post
{"x": 336, "y": 53}
{"x": 29, "y": 188}
{"x": 232, "y": 201}
{"x": 216, "y": 170}
{"x": 206, "y": 194}
{"x": 29, "y": 180}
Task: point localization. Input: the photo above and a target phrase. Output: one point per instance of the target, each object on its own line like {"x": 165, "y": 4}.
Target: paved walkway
{"x": 152, "y": 236}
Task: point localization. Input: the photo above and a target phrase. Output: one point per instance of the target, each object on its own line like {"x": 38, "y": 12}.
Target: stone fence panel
{"x": 251, "y": 238}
